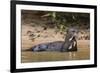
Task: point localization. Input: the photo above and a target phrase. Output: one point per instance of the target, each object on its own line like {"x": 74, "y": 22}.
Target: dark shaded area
{"x": 50, "y": 46}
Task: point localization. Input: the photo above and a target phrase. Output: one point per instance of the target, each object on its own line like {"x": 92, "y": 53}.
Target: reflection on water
{"x": 29, "y": 56}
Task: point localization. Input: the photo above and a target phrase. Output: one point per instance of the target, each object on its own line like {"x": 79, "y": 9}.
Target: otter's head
{"x": 73, "y": 32}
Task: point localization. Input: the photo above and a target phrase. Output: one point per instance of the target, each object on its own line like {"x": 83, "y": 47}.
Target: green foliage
{"x": 61, "y": 20}
{"x": 64, "y": 20}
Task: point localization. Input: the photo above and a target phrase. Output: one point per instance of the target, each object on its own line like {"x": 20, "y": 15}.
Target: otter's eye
{"x": 73, "y": 31}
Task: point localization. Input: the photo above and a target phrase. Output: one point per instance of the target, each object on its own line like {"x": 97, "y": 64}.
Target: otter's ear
{"x": 67, "y": 31}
